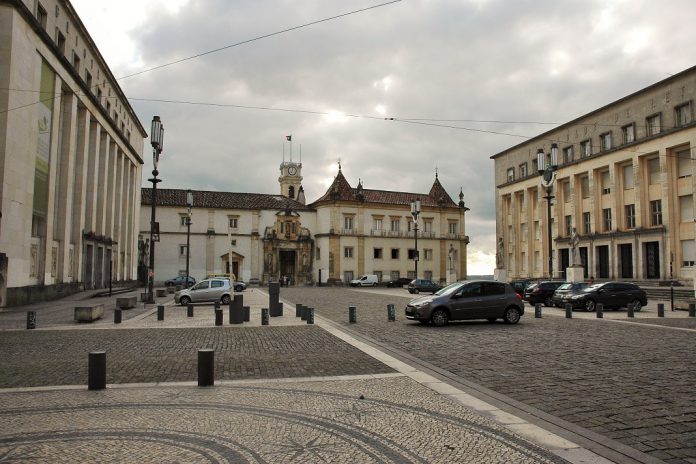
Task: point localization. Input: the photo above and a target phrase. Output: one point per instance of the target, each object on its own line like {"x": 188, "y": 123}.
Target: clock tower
{"x": 291, "y": 180}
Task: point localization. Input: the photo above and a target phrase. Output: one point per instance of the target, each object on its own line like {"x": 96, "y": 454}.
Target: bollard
{"x": 630, "y": 308}
{"x": 31, "y": 319}
{"x": 217, "y": 305}
{"x": 569, "y": 311}
{"x": 218, "y": 316}
{"x": 96, "y": 370}
{"x": 247, "y": 313}
{"x": 391, "y": 313}
{"x": 117, "y": 316}
{"x": 206, "y": 367}
{"x": 303, "y": 313}
{"x": 264, "y": 316}
{"x": 189, "y": 310}
{"x": 298, "y": 310}
{"x": 692, "y": 310}
{"x": 310, "y": 315}
{"x": 600, "y": 311}
{"x": 660, "y": 310}
{"x": 352, "y": 314}
{"x": 160, "y": 312}
{"x": 537, "y": 310}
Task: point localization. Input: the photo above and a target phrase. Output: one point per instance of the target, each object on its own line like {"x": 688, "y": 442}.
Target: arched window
{"x": 291, "y": 191}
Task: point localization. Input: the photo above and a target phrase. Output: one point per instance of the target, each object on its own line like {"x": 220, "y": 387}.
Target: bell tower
{"x": 290, "y": 179}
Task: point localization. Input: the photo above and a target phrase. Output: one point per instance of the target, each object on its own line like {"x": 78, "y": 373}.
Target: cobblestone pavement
{"x": 630, "y": 382}
{"x": 362, "y": 420}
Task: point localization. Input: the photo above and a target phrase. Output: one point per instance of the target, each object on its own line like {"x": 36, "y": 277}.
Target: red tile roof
{"x": 223, "y": 200}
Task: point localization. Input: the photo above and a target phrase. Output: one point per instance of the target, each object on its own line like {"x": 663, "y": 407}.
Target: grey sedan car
{"x": 470, "y": 299}
{"x": 217, "y": 289}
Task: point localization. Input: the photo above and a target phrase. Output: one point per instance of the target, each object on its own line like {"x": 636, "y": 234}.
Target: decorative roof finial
{"x": 436, "y": 172}
{"x": 339, "y": 164}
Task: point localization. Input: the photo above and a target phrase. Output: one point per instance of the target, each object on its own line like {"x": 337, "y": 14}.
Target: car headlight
{"x": 576, "y": 297}
{"x": 422, "y": 304}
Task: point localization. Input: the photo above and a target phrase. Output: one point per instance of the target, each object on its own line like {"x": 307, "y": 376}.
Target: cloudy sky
{"x": 433, "y": 62}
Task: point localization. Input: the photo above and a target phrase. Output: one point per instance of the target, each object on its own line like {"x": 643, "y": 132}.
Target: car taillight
{"x": 519, "y": 297}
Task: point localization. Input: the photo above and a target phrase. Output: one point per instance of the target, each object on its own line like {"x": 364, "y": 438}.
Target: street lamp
{"x": 415, "y": 211}
{"x": 189, "y": 204}
{"x": 157, "y": 142}
{"x": 547, "y": 171}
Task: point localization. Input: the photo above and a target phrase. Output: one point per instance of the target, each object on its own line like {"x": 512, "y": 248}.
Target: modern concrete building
{"x": 624, "y": 181}
{"x": 345, "y": 233}
{"x": 70, "y": 157}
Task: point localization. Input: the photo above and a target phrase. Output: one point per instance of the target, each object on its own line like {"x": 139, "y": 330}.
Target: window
{"x": 653, "y": 125}
{"x": 377, "y": 253}
{"x": 629, "y": 133}
{"x": 688, "y": 253}
{"x": 428, "y": 275}
{"x": 656, "y": 212}
{"x": 42, "y": 16}
{"x": 395, "y": 225}
{"x": 523, "y": 170}
{"x": 684, "y": 168}
{"x": 411, "y": 253}
{"x": 587, "y": 223}
{"x": 376, "y": 224}
{"x": 76, "y": 62}
{"x": 568, "y": 155}
{"x": 427, "y": 226}
{"x": 606, "y": 182}
{"x": 654, "y": 171}
{"x": 318, "y": 253}
{"x": 394, "y": 275}
{"x": 585, "y": 186}
{"x": 347, "y": 276}
{"x": 348, "y": 222}
{"x": 535, "y": 165}
{"x": 628, "y": 181}
{"x": 233, "y": 242}
{"x": 452, "y": 227}
{"x": 182, "y": 250}
{"x": 537, "y": 261}
{"x": 234, "y": 221}
{"x": 99, "y": 94}
{"x": 605, "y": 140}
{"x": 108, "y": 108}
{"x": 606, "y": 214}
{"x": 566, "y": 191}
{"x": 510, "y": 174}
{"x": 428, "y": 254}
{"x": 348, "y": 252}
{"x": 182, "y": 219}
{"x": 568, "y": 225}
{"x": 394, "y": 253}
{"x": 291, "y": 191}
{"x": 537, "y": 231}
{"x": 60, "y": 41}
{"x": 686, "y": 208}
{"x": 683, "y": 114}
{"x": 586, "y": 148}
{"x": 379, "y": 276}
{"x": 88, "y": 81}
{"x": 630, "y": 216}
{"x": 411, "y": 275}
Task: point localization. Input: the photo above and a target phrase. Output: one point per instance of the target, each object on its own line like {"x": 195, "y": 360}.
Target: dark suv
{"x": 400, "y": 282}
{"x": 613, "y": 295}
{"x": 541, "y": 292}
{"x": 423, "y": 285}
{"x": 470, "y": 299}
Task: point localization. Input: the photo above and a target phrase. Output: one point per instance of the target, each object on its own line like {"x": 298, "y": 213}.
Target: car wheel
{"x": 492, "y": 319}
{"x": 226, "y": 299}
{"x": 548, "y": 302}
{"x": 375, "y": 284}
{"x": 590, "y": 306}
{"x": 512, "y": 315}
{"x": 416, "y": 291}
{"x": 238, "y": 288}
{"x": 637, "y": 305}
{"x": 184, "y": 300}
{"x": 439, "y": 318}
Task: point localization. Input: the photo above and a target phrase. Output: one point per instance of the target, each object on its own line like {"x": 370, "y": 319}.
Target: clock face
{"x": 292, "y": 170}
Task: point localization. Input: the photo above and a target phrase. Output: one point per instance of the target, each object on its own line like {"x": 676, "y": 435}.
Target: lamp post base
{"x": 500, "y": 275}
{"x": 575, "y": 274}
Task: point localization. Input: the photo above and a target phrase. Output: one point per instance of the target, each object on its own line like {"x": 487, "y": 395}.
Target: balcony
{"x": 348, "y": 232}
{"x": 378, "y": 232}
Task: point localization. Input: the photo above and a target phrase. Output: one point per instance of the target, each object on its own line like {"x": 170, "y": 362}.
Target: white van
{"x": 368, "y": 280}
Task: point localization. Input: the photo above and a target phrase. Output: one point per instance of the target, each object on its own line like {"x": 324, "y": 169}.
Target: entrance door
{"x": 565, "y": 262}
{"x": 98, "y": 278}
{"x": 87, "y": 266}
{"x": 626, "y": 261}
{"x": 287, "y": 263}
{"x": 603, "y": 262}
{"x": 652, "y": 260}
{"x": 583, "y": 260}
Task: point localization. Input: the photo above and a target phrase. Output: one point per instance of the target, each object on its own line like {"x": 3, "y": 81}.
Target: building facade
{"x": 624, "y": 180}
{"x": 70, "y": 157}
{"x": 345, "y": 233}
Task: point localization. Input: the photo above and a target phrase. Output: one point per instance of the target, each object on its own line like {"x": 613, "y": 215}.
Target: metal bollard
{"x": 391, "y": 313}
{"x": 630, "y": 309}
{"x": 247, "y": 313}
{"x": 692, "y": 310}
{"x": 537, "y": 311}
{"x": 600, "y": 311}
{"x": 298, "y": 310}
{"x": 264, "y": 316}
{"x": 218, "y": 316}
{"x": 569, "y": 311}
{"x": 303, "y": 313}
{"x": 31, "y": 319}
{"x": 310, "y": 315}
{"x": 96, "y": 370}
{"x": 117, "y": 316}
{"x": 206, "y": 367}
{"x": 660, "y": 310}
{"x": 189, "y": 310}
{"x": 160, "y": 312}
{"x": 352, "y": 314}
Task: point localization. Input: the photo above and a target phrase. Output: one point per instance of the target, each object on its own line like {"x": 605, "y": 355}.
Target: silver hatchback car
{"x": 217, "y": 289}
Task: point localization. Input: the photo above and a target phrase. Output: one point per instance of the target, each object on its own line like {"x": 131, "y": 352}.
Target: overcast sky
{"x": 475, "y": 60}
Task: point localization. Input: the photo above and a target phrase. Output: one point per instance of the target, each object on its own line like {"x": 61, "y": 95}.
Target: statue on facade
{"x": 450, "y": 257}
{"x": 500, "y": 254}
{"x": 574, "y": 241}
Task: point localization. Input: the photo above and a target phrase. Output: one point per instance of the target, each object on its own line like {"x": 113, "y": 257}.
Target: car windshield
{"x": 532, "y": 286}
{"x": 565, "y": 286}
{"x": 448, "y": 290}
{"x": 591, "y": 288}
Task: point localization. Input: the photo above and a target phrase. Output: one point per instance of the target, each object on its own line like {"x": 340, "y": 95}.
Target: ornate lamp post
{"x": 547, "y": 171}
{"x": 189, "y": 204}
{"x": 415, "y": 211}
{"x": 157, "y": 142}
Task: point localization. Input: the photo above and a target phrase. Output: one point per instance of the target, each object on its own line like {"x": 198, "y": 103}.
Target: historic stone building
{"x": 70, "y": 157}
{"x": 624, "y": 181}
{"x": 346, "y": 232}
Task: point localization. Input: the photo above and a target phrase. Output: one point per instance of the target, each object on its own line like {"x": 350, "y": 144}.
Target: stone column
{"x": 79, "y": 202}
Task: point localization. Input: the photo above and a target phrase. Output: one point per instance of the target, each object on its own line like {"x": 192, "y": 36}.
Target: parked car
{"x": 472, "y": 299}
{"x": 216, "y": 289}
{"x": 541, "y": 292}
{"x": 613, "y": 295}
{"x": 239, "y": 286}
{"x": 423, "y": 285}
{"x": 400, "y": 282}
{"x": 519, "y": 286}
{"x": 254, "y": 281}
{"x": 368, "y": 280}
{"x": 565, "y": 291}
{"x": 179, "y": 280}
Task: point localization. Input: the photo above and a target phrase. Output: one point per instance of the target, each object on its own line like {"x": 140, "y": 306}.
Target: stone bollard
{"x": 264, "y": 316}
{"x": 117, "y": 316}
{"x": 537, "y": 310}
{"x": 96, "y": 370}
{"x": 160, "y": 312}
{"x": 310, "y": 315}
{"x": 237, "y": 310}
{"x": 352, "y": 314}
{"x": 630, "y": 309}
{"x": 391, "y": 313}
{"x": 206, "y": 367}
{"x": 303, "y": 313}
{"x": 189, "y": 310}
{"x": 569, "y": 311}
{"x": 217, "y": 305}
{"x": 218, "y": 316}
{"x": 247, "y": 313}
{"x": 276, "y": 309}
{"x": 298, "y": 310}
{"x": 274, "y": 299}
{"x": 692, "y": 310}
{"x": 600, "y": 310}
{"x": 660, "y": 310}
{"x": 31, "y": 319}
